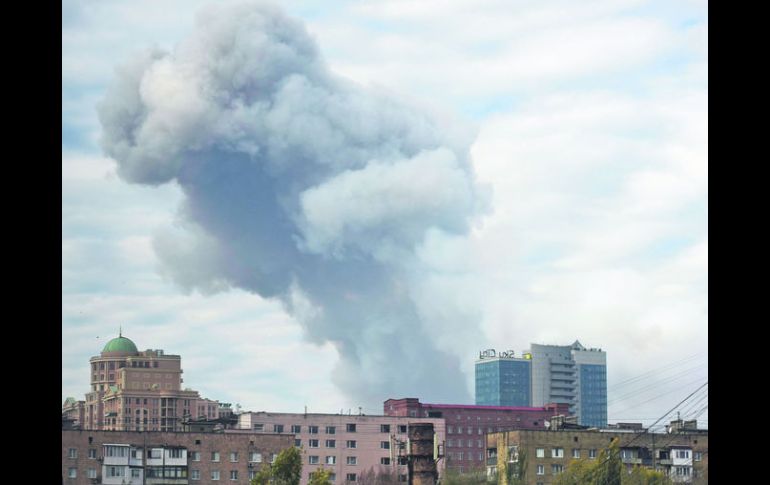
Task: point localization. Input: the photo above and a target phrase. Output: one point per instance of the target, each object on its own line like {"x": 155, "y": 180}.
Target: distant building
{"x": 73, "y": 411}
{"x": 347, "y": 445}
{"x": 574, "y": 375}
{"x": 151, "y": 458}
{"x": 466, "y": 425}
{"x": 137, "y": 391}
{"x": 502, "y": 379}
{"x": 543, "y": 455}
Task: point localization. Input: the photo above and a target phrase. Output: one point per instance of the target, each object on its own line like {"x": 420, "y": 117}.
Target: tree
{"x": 321, "y": 476}
{"x": 607, "y": 469}
{"x": 476, "y": 476}
{"x": 384, "y": 476}
{"x": 285, "y": 470}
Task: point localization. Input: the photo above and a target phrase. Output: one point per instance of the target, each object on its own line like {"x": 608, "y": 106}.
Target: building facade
{"x": 542, "y": 455}
{"x": 346, "y": 445}
{"x": 466, "y": 425}
{"x": 149, "y": 458}
{"x": 502, "y": 379}
{"x": 138, "y": 391}
{"x": 571, "y": 374}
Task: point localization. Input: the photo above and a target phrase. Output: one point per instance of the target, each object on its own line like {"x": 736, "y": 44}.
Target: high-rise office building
{"x": 571, "y": 374}
{"x": 502, "y": 379}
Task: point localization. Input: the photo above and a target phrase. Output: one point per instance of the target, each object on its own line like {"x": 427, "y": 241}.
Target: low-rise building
{"x": 466, "y": 425}
{"x": 542, "y": 455}
{"x": 149, "y": 458}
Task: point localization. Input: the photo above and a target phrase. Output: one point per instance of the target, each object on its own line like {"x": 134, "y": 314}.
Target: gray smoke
{"x": 299, "y": 185}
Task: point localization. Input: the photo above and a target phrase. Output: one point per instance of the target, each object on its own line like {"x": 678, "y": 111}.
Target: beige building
{"x": 138, "y": 391}
{"x": 149, "y": 458}
{"x": 542, "y": 455}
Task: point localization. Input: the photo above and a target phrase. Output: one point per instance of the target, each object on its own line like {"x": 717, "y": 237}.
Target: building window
{"x": 195, "y": 474}
{"x": 273, "y": 457}
{"x": 540, "y": 452}
{"x": 298, "y": 443}
{"x": 313, "y": 443}
{"x": 331, "y": 430}
{"x": 557, "y": 452}
{"x": 92, "y": 473}
{"x": 351, "y": 443}
{"x": 402, "y": 428}
{"x": 92, "y": 453}
{"x": 136, "y": 473}
{"x": 460, "y": 455}
{"x": 259, "y": 427}
{"x": 233, "y": 456}
{"x": 215, "y": 475}
{"x": 450, "y": 443}
{"x": 195, "y": 456}
{"x": 449, "y": 430}
{"x": 73, "y": 453}
{"x": 541, "y": 469}
{"x": 402, "y": 478}
{"x": 312, "y": 429}
{"x": 592, "y": 453}
{"x": 351, "y": 428}
{"x": 556, "y": 469}
{"x": 402, "y": 460}
{"x": 176, "y": 453}
{"x": 255, "y": 457}
{"x": 698, "y": 456}
{"x": 351, "y": 477}
{"x": 278, "y": 428}
{"x": 233, "y": 474}
{"x": 679, "y": 454}
{"x": 115, "y": 471}
{"x": 312, "y": 459}
{"x": 384, "y": 428}
{"x": 296, "y": 428}
{"x": 215, "y": 457}
{"x": 72, "y": 473}
{"x": 385, "y": 445}
{"x": 331, "y": 443}
{"x": 575, "y": 453}
{"x": 385, "y": 460}
{"x": 352, "y": 460}
{"x": 331, "y": 460}
{"x": 252, "y": 474}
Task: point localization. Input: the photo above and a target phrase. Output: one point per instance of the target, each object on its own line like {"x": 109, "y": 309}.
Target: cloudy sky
{"x": 430, "y": 179}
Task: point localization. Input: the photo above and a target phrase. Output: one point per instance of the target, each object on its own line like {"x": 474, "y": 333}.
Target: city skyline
{"x": 587, "y": 134}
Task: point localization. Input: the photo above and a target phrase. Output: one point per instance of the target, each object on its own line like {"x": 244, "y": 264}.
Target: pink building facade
{"x": 139, "y": 391}
{"x": 347, "y": 445}
{"x": 467, "y": 425}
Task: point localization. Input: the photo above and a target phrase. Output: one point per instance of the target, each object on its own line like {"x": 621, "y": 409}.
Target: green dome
{"x": 120, "y": 344}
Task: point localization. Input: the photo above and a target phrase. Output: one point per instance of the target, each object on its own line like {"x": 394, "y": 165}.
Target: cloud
{"x": 298, "y": 185}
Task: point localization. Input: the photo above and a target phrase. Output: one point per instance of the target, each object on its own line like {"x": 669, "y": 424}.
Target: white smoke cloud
{"x": 299, "y": 185}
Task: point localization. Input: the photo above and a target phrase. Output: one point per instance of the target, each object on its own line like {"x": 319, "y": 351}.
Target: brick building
{"x": 682, "y": 455}
{"x": 466, "y": 425}
{"x": 127, "y": 457}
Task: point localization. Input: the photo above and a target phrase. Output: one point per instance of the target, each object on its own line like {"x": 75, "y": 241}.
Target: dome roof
{"x": 121, "y": 344}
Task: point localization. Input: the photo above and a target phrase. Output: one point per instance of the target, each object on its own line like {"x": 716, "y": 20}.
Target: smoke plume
{"x": 302, "y": 186}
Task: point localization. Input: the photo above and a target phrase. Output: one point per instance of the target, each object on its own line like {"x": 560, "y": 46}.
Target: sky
{"x": 407, "y": 184}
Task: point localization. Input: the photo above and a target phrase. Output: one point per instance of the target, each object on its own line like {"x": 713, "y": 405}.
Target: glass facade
{"x": 503, "y": 382}
{"x": 593, "y": 395}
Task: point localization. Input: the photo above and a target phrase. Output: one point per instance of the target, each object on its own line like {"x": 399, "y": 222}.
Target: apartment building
{"x": 542, "y": 455}
{"x": 347, "y": 445}
{"x": 150, "y": 458}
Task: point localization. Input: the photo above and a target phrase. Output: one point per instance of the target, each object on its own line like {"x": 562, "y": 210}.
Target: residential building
{"x": 466, "y": 425}
{"x": 502, "y": 379}
{"x": 347, "y": 445}
{"x": 543, "y": 455}
{"x": 137, "y": 391}
{"x": 151, "y": 458}
{"x": 571, "y": 374}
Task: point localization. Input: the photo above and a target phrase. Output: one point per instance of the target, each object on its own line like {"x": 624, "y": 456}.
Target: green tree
{"x": 321, "y": 476}
{"x": 285, "y": 470}
{"x": 472, "y": 477}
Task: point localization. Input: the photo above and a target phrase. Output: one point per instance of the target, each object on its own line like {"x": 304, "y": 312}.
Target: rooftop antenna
{"x": 120, "y": 331}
